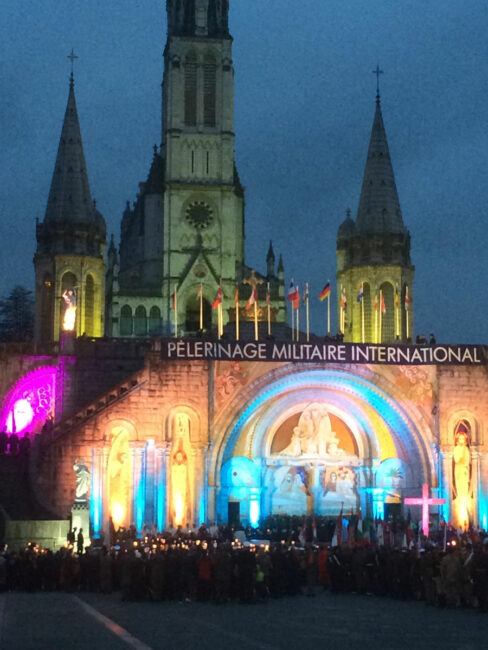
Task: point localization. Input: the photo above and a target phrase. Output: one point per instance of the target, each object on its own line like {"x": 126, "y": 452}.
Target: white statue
{"x": 313, "y": 436}
{"x": 82, "y": 480}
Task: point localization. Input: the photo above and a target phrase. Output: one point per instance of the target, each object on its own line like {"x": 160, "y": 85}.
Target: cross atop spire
{"x": 377, "y": 72}
{"x": 72, "y": 56}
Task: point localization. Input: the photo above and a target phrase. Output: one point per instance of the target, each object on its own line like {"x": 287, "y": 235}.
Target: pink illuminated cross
{"x": 425, "y": 502}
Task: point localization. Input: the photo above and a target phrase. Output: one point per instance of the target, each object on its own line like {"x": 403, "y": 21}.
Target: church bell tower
{"x": 186, "y": 229}
{"x": 71, "y": 241}
{"x": 374, "y": 270}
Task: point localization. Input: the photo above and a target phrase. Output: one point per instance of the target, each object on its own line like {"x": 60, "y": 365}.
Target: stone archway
{"x": 379, "y": 428}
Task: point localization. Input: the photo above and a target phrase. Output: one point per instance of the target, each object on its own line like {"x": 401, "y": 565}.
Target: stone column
{"x": 199, "y": 509}
{"x": 483, "y": 490}
{"x": 150, "y": 500}
{"x": 138, "y": 486}
{"x": 161, "y": 487}
{"x": 475, "y": 486}
{"x": 445, "y": 482}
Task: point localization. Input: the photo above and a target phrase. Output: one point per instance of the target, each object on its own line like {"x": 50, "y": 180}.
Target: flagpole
{"x": 397, "y": 311}
{"x": 381, "y": 315}
{"x": 308, "y": 318}
{"x": 363, "y": 337}
{"x": 292, "y": 322}
{"x": 406, "y": 311}
{"x": 268, "y": 300}
{"x": 256, "y": 336}
{"x": 341, "y": 311}
{"x": 298, "y": 319}
{"x": 236, "y": 305}
{"x": 328, "y": 315}
{"x": 376, "y": 319}
{"x": 176, "y": 312}
{"x": 201, "y": 306}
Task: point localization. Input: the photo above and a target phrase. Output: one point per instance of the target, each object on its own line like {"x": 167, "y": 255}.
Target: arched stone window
{"x": 367, "y": 310}
{"x": 209, "y": 90}
{"x": 89, "y": 306}
{"x": 154, "y": 321}
{"x": 47, "y": 296}
{"x": 388, "y": 316}
{"x": 140, "y": 321}
{"x": 190, "y": 89}
{"x": 126, "y": 321}
{"x": 69, "y": 282}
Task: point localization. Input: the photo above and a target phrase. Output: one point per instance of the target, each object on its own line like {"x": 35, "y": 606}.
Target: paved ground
{"x": 52, "y": 621}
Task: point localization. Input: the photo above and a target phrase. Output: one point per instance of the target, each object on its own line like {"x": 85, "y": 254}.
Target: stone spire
{"x": 379, "y": 208}
{"x": 69, "y": 197}
{"x": 270, "y": 260}
{"x": 198, "y": 18}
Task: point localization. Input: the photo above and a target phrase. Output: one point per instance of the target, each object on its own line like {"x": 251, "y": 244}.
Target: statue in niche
{"x": 314, "y": 436}
{"x": 69, "y": 318}
{"x": 462, "y": 473}
{"x": 82, "y": 480}
{"x": 179, "y": 485}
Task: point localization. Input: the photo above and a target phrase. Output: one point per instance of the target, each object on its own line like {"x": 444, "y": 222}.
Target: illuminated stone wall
{"x": 185, "y": 442}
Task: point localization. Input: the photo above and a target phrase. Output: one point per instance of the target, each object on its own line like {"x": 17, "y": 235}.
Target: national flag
{"x": 383, "y": 306}
{"x": 173, "y": 300}
{"x": 293, "y": 294}
{"x": 397, "y": 298}
{"x": 268, "y": 294}
{"x": 343, "y": 300}
{"x": 218, "y": 298}
{"x": 407, "y": 302}
{"x": 253, "y": 298}
{"x": 325, "y": 293}
{"x": 236, "y": 296}
{"x": 305, "y": 295}
{"x": 200, "y": 291}
{"x": 360, "y": 293}
{"x": 376, "y": 302}
{"x": 296, "y": 302}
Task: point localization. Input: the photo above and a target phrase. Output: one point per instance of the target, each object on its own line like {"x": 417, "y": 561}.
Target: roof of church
{"x": 379, "y": 208}
{"x": 69, "y": 197}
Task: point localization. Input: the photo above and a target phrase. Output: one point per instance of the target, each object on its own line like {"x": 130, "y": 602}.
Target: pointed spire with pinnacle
{"x": 379, "y": 208}
{"x": 270, "y": 260}
{"x": 69, "y": 197}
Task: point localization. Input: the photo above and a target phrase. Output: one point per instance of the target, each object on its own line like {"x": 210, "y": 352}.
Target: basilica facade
{"x": 187, "y": 406}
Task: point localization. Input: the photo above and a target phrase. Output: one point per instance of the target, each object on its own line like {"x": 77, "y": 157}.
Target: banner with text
{"x": 327, "y": 352}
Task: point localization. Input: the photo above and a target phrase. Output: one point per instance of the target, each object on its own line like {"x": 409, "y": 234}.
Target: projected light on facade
{"x": 30, "y": 402}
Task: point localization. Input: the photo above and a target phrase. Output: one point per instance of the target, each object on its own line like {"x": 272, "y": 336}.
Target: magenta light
{"x": 30, "y": 402}
{"x": 425, "y": 502}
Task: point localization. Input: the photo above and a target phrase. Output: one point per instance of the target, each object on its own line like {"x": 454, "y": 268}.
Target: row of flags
{"x": 293, "y": 297}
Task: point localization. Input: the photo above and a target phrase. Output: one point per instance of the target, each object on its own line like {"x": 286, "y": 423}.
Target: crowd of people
{"x": 12, "y": 444}
{"x": 221, "y": 565}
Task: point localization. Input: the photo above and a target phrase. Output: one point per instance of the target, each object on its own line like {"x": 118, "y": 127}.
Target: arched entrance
{"x": 319, "y": 440}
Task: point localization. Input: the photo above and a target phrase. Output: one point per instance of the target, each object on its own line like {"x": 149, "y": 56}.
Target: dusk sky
{"x": 304, "y": 106}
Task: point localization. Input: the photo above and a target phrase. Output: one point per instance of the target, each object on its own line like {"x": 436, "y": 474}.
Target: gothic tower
{"x": 374, "y": 271}
{"x": 71, "y": 242}
{"x": 186, "y": 228}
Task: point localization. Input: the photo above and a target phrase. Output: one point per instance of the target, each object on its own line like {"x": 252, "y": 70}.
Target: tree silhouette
{"x": 17, "y": 316}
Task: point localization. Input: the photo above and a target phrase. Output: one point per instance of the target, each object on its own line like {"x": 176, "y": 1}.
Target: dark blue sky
{"x": 304, "y": 109}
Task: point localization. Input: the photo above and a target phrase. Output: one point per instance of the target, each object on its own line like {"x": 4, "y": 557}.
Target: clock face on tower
{"x": 199, "y": 215}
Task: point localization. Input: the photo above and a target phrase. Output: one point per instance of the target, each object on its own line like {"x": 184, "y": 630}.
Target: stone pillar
{"x": 150, "y": 501}
{"x": 483, "y": 491}
{"x": 199, "y": 509}
{"x": 161, "y": 487}
{"x": 97, "y": 493}
{"x": 445, "y": 483}
{"x": 138, "y": 486}
{"x": 475, "y": 486}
